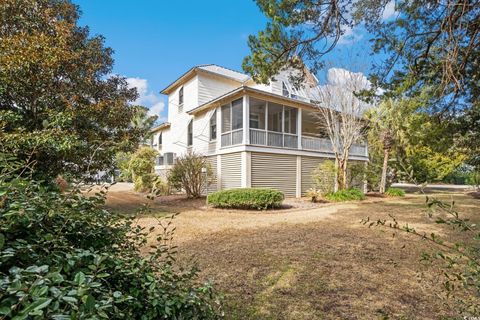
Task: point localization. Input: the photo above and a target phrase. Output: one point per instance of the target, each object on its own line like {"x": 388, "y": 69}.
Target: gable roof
{"x": 209, "y": 69}
{"x": 257, "y": 93}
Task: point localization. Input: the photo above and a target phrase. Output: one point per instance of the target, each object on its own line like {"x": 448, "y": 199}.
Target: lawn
{"x": 312, "y": 261}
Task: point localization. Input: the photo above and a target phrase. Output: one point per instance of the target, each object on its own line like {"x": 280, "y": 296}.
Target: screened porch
{"x": 257, "y": 122}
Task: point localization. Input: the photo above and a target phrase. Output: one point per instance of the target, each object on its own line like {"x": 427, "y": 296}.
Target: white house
{"x": 254, "y": 135}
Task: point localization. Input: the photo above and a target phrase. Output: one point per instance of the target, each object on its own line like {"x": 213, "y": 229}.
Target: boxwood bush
{"x": 345, "y": 195}
{"x": 395, "y": 192}
{"x": 246, "y": 198}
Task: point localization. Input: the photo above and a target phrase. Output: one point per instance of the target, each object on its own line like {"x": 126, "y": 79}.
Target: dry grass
{"x": 317, "y": 262}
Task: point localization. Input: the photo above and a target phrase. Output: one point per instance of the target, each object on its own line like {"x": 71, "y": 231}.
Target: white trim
{"x": 240, "y": 148}
{"x": 246, "y": 120}
{"x": 219, "y": 172}
{"x": 298, "y": 192}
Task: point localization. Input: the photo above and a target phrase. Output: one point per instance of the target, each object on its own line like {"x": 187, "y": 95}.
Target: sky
{"x": 156, "y": 41}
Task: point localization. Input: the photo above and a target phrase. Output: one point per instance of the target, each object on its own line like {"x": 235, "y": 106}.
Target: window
{"x": 226, "y": 119}
{"x": 257, "y": 113}
{"x": 160, "y": 140}
{"x": 160, "y": 161}
{"x": 180, "y": 97}
{"x": 237, "y": 114}
{"x": 275, "y": 117}
{"x": 285, "y": 90}
{"x": 213, "y": 126}
{"x": 290, "y": 120}
{"x": 169, "y": 158}
{"x": 190, "y": 133}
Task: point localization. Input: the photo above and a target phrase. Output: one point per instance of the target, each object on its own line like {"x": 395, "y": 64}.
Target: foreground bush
{"x": 345, "y": 195}
{"x": 247, "y": 198}
{"x": 62, "y": 256}
{"x": 395, "y": 192}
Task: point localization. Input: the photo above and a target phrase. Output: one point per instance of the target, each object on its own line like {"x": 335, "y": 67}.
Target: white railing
{"x": 316, "y": 144}
{"x": 273, "y": 139}
{"x": 232, "y": 138}
{"x": 258, "y": 137}
{"x": 290, "y": 141}
{"x": 359, "y": 150}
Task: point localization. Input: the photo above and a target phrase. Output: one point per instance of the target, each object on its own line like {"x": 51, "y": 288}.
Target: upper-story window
{"x": 213, "y": 126}
{"x": 190, "y": 133}
{"x": 160, "y": 140}
{"x": 180, "y": 99}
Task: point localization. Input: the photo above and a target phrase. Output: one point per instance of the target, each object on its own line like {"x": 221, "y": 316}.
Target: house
{"x": 254, "y": 135}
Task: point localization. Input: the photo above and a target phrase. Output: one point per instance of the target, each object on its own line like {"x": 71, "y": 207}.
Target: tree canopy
{"x": 60, "y": 105}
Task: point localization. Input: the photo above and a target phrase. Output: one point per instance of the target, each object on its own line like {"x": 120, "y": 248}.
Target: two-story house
{"x": 254, "y": 135}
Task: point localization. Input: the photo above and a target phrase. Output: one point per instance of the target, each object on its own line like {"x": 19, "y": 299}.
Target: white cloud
{"x": 342, "y": 77}
{"x": 147, "y": 98}
{"x": 389, "y": 10}
{"x": 350, "y": 35}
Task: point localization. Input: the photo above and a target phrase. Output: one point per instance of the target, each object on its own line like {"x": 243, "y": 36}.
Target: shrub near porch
{"x": 246, "y": 198}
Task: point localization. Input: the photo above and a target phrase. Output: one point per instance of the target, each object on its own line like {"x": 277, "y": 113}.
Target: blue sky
{"x": 156, "y": 41}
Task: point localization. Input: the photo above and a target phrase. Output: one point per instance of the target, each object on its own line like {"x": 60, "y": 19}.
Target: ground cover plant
{"x": 345, "y": 195}
{"x": 246, "y": 198}
{"x": 395, "y": 192}
{"x": 63, "y": 256}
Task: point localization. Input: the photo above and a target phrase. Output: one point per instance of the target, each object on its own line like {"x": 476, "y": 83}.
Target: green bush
{"x": 324, "y": 177}
{"x": 142, "y": 168}
{"x": 247, "y": 198}
{"x": 345, "y": 195}
{"x": 63, "y": 256}
{"x": 395, "y": 192}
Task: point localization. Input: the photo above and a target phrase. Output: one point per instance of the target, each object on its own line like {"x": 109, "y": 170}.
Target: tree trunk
{"x": 335, "y": 187}
{"x": 383, "y": 180}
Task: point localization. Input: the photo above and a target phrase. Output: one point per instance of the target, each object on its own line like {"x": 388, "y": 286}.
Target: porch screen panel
{"x": 257, "y": 114}
{"x": 290, "y": 121}
{"x": 226, "y": 119}
{"x": 275, "y": 117}
{"x": 237, "y": 114}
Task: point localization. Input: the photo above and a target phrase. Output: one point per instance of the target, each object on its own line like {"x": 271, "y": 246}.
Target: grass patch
{"x": 246, "y": 198}
{"x": 345, "y": 195}
{"x": 395, "y": 192}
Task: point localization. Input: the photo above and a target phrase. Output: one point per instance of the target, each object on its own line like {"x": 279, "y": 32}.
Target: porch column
{"x": 246, "y": 120}
{"x": 298, "y": 186}
{"x": 246, "y": 169}
{"x": 219, "y": 128}
{"x": 299, "y": 128}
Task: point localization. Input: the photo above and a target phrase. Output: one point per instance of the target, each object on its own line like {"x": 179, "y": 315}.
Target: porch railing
{"x": 232, "y": 138}
{"x": 273, "y": 139}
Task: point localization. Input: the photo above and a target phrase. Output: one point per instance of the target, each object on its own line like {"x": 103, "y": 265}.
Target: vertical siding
{"x": 275, "y": 171}
{"x": 231, "y": 168}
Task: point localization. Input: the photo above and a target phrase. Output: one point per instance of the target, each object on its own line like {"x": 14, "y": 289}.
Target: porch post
{"x": 299, "y": 128}
{"x": 246, "y": 120}
{"x": 219, "y": 128}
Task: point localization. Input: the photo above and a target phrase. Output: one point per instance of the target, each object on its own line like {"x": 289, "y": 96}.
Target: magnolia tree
{"x": 340, "y": 115}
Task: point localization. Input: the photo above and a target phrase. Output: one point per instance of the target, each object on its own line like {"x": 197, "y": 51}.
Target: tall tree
{"x": 60, "y": 107}
{"x": 382, "y": 124}
{"x": 340, "y": 113}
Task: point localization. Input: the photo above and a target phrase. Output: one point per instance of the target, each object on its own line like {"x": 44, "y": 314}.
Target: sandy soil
{"x": 312, "y": 261}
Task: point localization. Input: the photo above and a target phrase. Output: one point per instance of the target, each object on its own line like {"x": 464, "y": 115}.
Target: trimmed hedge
{"x": 246, "y": 198}
{"x": 345, "y": 195}
{"x": 395, "y": 192}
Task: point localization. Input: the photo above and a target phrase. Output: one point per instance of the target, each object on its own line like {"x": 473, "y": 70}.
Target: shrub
{"x": 191, "y": 172}
{"x": 63, "y": 256}
{"x": 324, "y": 177}
{"x": 395, "y": 192}
{"x": 345, "y": 195}
{"x": 315, "y": 195}
{"x": 247, "y": 198}
{"x": 142, "y": 168}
